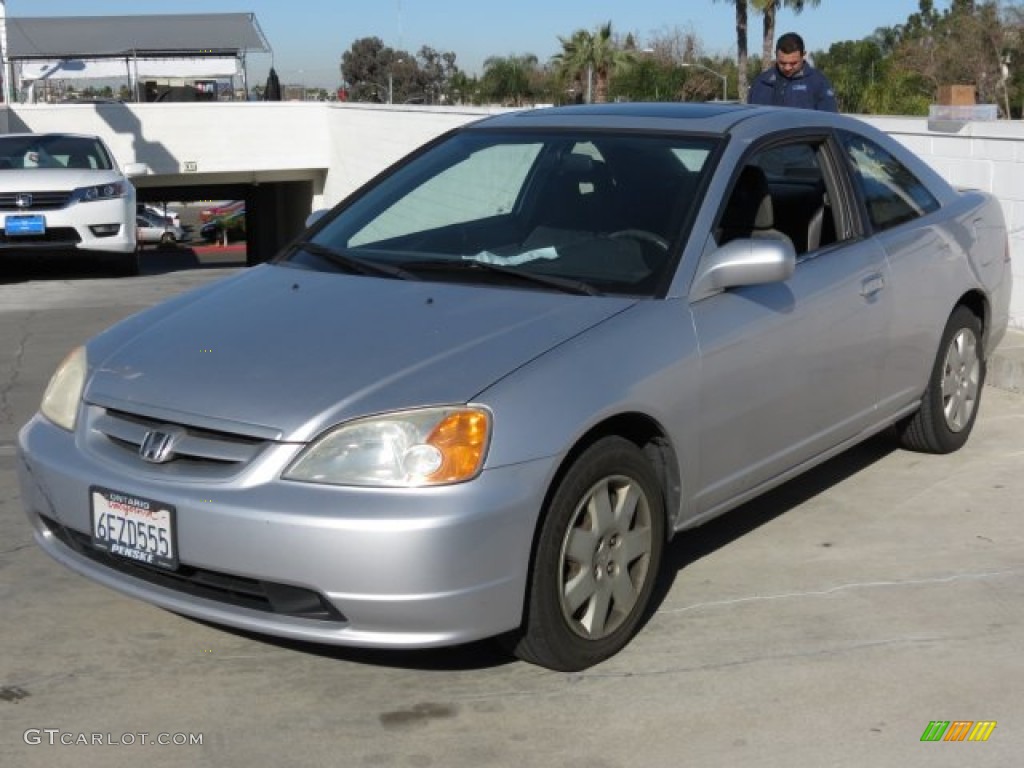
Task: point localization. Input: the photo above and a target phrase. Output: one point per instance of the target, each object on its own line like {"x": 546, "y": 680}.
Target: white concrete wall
{"x": 242, "y": 139}
{"x": 343, "y": 145}
{"x": 366, "y": 138}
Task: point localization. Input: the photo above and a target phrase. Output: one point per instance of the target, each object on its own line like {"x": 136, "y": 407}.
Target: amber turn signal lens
{"x": 462, "y": 440}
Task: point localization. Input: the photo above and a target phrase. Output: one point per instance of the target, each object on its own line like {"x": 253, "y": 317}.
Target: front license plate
{"x": 25, "y": 225}
{"x": 133, "y": 527}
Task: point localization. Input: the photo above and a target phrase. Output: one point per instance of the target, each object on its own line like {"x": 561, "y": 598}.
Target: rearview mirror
{"x": 315, "y": 216}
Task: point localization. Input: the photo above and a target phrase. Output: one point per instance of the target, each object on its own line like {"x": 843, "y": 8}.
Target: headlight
{"x": 432, "y": 446}
{"x": 60, "y": 401}
{"x": 109, "y": 191}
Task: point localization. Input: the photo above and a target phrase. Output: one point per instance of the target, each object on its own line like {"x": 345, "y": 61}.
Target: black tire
{"x": 591, "y": 579}
{"x": 167, "y": 238}
{"x": 950, "y": 404}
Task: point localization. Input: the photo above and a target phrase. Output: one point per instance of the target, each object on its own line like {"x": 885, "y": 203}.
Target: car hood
{"x": 294, "y": 352}
{"x": 47, "y": 179}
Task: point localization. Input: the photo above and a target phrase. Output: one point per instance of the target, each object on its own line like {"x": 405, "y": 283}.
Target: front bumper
{"x": 82, "y": 226}
{"x": 394, "y": 568}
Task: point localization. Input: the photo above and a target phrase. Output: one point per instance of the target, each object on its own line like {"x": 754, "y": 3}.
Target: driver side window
{"x": 782, "y": 192}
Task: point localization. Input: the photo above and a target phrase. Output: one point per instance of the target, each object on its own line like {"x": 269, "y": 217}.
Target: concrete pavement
{"x": 825, "y": 624}
{"x": 1006, "y": 368}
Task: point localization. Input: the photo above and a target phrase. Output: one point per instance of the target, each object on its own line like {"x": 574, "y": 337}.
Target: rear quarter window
{"x": 892, "y": 193}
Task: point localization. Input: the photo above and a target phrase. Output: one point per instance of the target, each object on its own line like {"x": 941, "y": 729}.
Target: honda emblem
{"x": 158, "y": 445}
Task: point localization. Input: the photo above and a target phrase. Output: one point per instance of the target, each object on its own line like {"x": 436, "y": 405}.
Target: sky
{"x": 309, "y": 36}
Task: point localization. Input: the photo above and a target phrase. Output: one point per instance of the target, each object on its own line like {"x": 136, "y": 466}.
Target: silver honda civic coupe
{"x": 480, "y": 396}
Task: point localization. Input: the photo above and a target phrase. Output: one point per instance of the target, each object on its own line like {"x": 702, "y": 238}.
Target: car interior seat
{"x": 821, "y": 229}
{"x": 79, "y": 161}
{"x": 576, "y": 199}
{"x": 749, "y": 213}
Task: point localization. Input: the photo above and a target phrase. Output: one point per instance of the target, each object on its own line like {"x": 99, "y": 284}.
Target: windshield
{"x": 53, "y": 151}
{"x": 596, "y": 212}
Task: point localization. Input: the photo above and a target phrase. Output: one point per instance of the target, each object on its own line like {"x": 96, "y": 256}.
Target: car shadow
{"x": 163, "y": 259}
{"x": 484, "y": 654}
{"x": 690, "y": 546}
{"x": 26, "y": 267}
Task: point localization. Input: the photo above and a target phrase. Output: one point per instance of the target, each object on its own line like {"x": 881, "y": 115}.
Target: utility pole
{"x": 5, "y": 70}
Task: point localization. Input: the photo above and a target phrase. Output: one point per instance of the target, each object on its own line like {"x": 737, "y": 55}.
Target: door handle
{"x": 871, "y": 285}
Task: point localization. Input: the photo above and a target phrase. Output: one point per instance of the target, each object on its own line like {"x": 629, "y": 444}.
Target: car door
{"x": 790, "y": 369}
{"x": 906, "y": 219}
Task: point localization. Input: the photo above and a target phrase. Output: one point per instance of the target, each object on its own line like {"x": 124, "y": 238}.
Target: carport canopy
{"x": 152, "y": 45}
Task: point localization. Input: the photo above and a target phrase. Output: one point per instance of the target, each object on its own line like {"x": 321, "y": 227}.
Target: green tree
{"x": 853, "y": 67}
{"x": 435, "y": 73}
{"x": 897, "y": 91}
{"x": 508, "y": 79}
{"x": 463, "y": 89}
{"x": 651, "y": 78}
{"x": 375, "y": 72}
{"x": 590, "y": 58}
{"x": 899, "y": 69}
{"x": 965, "y": 44}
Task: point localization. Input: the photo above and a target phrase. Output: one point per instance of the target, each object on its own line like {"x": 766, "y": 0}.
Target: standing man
{"x": 792, "y": 82}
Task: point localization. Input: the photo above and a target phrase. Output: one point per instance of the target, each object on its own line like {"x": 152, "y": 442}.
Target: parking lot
{"x": 825, "y": 624}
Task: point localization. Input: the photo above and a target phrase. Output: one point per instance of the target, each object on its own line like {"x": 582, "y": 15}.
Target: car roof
{"x": 690, "y": 117}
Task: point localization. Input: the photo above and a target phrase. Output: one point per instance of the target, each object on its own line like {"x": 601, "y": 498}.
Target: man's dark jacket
{"x": 807, "y": 89}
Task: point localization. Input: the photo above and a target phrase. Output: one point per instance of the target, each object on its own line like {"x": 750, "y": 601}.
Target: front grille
{"x": 41, "y": 201}
{"x": 197, "y": 450}
{"x": 265, "y": 596}
{"x": 52, "y": 236}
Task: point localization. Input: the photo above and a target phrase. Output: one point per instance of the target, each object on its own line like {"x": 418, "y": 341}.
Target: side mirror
{"x": 744, "y": 262}
{"x": 135, "y": 169}
{"x": 315, "y": 216}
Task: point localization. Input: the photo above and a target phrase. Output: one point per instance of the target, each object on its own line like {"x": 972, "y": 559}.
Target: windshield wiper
{"x": 563, "y": 284}
{"x": 351, "y": 263}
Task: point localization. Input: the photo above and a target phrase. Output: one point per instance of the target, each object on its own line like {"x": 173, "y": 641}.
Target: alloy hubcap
{"x": 961, "y": 380}
{"x": 605, "y": 560}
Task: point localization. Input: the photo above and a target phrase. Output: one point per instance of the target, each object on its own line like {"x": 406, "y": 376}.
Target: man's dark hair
{"x": 790, "y": 42}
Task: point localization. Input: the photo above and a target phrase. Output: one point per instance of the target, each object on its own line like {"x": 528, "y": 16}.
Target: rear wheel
{"x": 596, "y": 559}
{"x": 950, "y": 404}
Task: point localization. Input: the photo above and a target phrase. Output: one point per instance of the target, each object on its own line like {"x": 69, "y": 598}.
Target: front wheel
{"x": 596, "y": 559}
{"x": 950, "y": 404}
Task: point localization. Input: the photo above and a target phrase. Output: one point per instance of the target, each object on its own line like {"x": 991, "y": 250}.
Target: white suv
{"x": 61, "y": 191}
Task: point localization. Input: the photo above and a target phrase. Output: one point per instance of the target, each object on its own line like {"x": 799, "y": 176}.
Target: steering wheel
{"x": 642, "y": 235}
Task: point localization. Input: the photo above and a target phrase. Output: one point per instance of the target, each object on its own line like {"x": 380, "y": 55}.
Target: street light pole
{"x": 391, "y": 80}
{"x": 719, "y": 75}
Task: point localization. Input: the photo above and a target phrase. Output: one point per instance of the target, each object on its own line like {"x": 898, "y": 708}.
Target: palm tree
{"x": 769, "y": 9}
{"x": 741, "y": 46}
{"x": 594, "y": 56}
{"x": 507, "y": 78}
